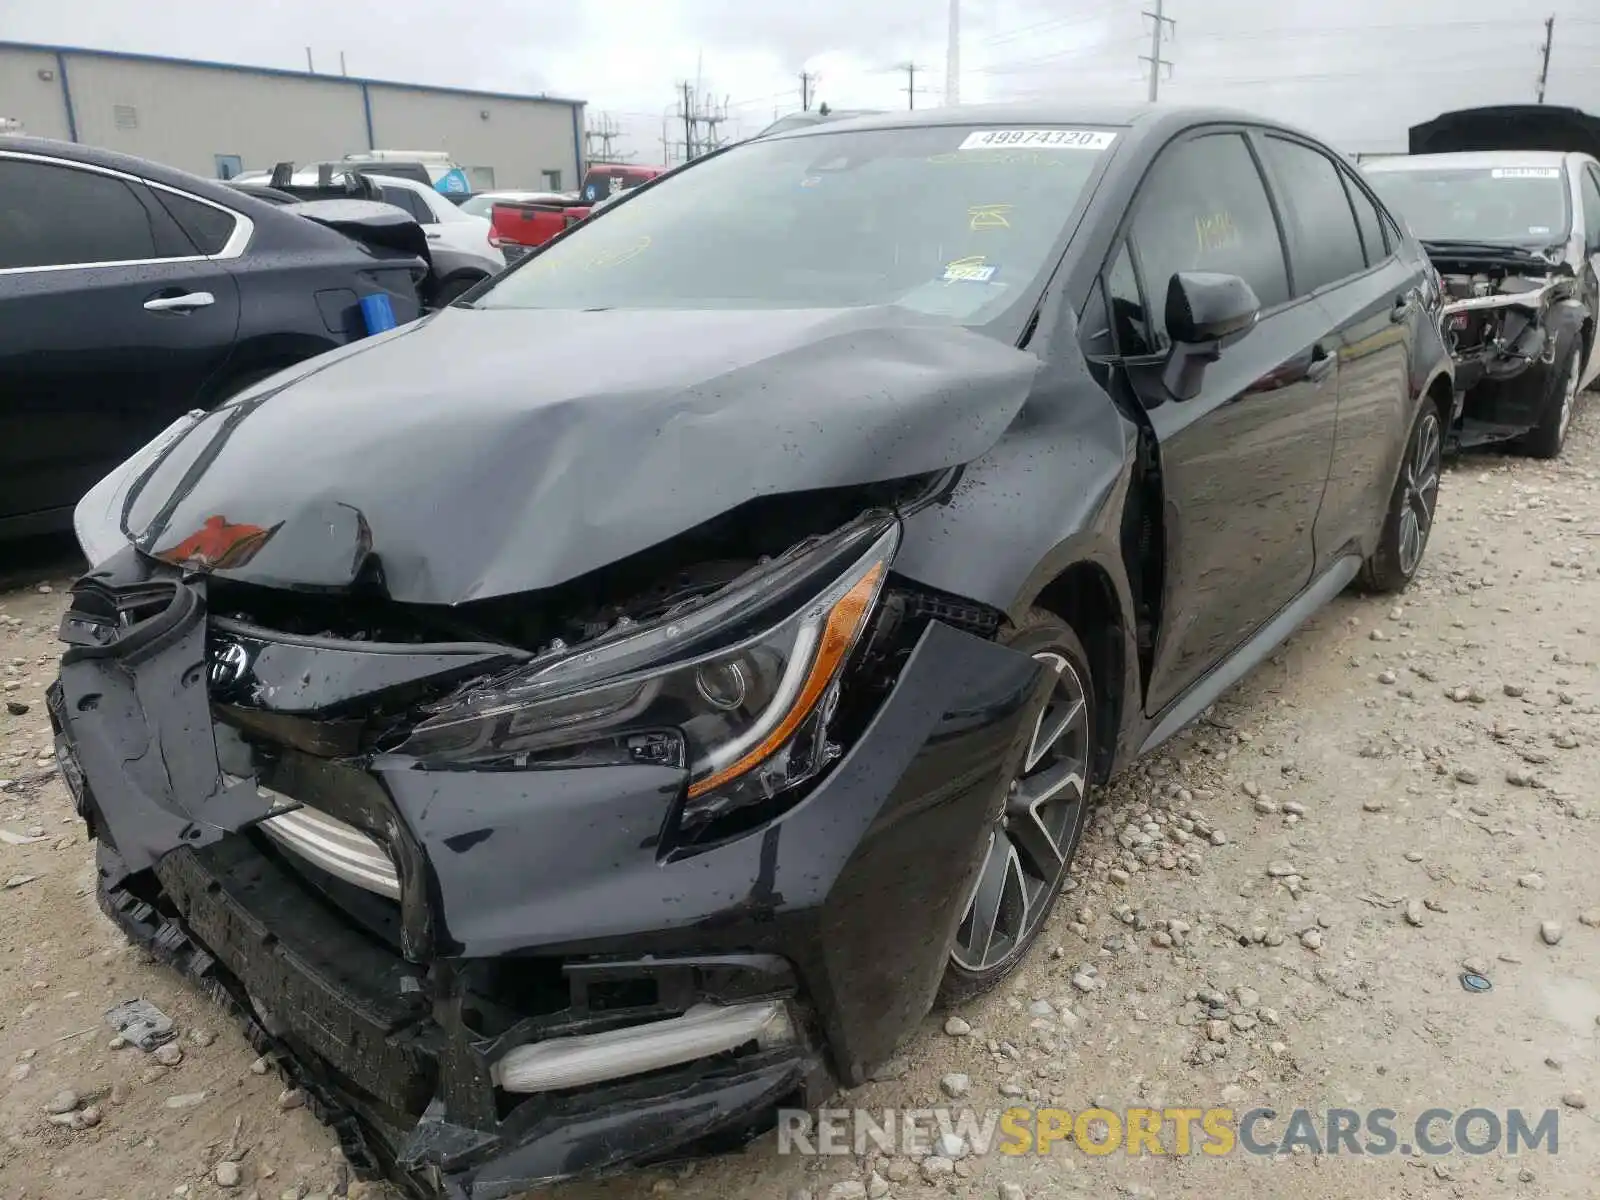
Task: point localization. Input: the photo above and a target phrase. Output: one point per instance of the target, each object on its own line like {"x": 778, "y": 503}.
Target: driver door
{"x": 1244, "y": 462}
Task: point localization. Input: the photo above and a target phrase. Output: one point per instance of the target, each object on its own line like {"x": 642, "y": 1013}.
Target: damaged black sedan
{"x": 1515, "y": 236}
{"x": 571, "y": 765}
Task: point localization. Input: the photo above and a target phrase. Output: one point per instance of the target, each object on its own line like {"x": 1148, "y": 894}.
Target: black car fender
{"x": 1039, "y": 516}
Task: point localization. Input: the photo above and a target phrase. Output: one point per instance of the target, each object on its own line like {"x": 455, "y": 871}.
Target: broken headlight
{"x": 735, "y": 688}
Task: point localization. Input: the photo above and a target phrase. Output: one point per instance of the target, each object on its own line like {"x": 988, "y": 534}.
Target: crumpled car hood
{"x": 486, "y": 452}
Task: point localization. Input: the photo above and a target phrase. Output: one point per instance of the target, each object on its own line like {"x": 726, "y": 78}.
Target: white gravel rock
{"x": 955, "y": 1085}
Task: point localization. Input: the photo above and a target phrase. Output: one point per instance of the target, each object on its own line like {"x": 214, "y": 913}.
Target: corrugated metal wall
{"x": 30, "y": 91}
{"x": 187, "y": 115}
{"x": 518, "y": 140}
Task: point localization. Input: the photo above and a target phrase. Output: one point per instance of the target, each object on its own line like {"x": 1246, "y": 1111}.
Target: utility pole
{"x": 1544, "y": 68}
{"x": 911, "y": 89}
{"x": 310, "y": 70}
{"x": 598, "y": 139}
{"x": 952, "y": 56}
{"x": 701, "y": 119}
{"x": 688, "y": 122}
{"x": 1159, "y": 23}
{"x": 807, "y": 79}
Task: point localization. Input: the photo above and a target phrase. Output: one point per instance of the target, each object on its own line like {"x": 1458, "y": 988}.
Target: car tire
{"x": 1028, "y": 851}
{"x": 1412, "y": 507}
{"x": 1560, "y": 397}
{"x": 452, "y": 290}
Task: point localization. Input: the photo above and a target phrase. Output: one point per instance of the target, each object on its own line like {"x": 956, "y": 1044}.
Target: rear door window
{"x": 1204, "y": 207}
{"x": 56, "y": 216}
{"x": 207, "y": 226}
{"x": 1327, "y": 245}
{"x": 405, "y": 198}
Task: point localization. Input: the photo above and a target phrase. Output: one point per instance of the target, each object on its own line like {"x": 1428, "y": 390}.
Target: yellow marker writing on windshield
{"x": 973, "y": 268}
{"x": 619, "y": 255}
{"x": 988, "y": 216}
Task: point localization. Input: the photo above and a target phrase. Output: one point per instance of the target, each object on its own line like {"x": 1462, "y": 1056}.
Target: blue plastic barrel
{"x": 378, "y": 312}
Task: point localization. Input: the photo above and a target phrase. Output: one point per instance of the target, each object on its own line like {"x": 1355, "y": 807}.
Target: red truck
{"x": 517, "y": 226}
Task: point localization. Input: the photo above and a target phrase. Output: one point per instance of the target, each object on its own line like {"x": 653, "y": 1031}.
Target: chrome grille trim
{"x": 341, "y": 850}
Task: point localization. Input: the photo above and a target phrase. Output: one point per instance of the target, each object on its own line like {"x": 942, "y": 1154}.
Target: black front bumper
{"x": 353, "y": 1029}
{"x": 537, "y": 905}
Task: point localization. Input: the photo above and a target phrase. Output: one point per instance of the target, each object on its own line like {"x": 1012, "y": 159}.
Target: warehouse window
{"x": 552, "y": 181}
{"x": 126, "y": 116}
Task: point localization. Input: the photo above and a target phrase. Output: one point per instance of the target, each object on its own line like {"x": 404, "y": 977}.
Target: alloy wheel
{"x": 1420, "y": 492}
{"x": 1029, "y": 845}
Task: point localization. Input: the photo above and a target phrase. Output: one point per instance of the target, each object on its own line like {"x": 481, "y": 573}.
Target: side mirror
{"x": 1206, "y": 313}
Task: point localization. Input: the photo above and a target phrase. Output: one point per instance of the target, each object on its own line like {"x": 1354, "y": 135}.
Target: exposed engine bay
{"x": 1498, "y": 301}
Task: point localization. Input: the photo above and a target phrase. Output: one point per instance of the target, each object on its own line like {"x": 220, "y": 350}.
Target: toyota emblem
{"x": 229, "y": 665}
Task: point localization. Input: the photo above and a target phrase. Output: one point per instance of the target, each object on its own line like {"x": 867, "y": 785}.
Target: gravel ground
{"x": 1276, "y": 912}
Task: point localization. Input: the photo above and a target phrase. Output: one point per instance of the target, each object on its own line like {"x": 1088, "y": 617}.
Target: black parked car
{"x": 571, "y": 769}
{"x": 131, "y": 293}
{"x": 344, "y": 200}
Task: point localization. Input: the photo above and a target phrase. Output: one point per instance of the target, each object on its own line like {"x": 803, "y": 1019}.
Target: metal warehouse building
{"x": 214, "y": 119}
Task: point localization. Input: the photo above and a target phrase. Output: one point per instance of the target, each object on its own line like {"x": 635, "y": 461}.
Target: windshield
{"x": 477, "y": 206}
{"x": 1522, "y": 205}
{"x": 950, "y": 221}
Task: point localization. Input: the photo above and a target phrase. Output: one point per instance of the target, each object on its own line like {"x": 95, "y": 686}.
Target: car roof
{"x": 1143, "y": 122}
{"x": 1467, "y": 159}
{"x": 209, "y": 189}
{"x": 1024, "y": 113}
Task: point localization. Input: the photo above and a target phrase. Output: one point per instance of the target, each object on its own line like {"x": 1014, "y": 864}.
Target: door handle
{"x": 433, "y": 235}
{"x": 183, "y": 303}
{"x": 1402, "y": 306}
{"x": 1322, "y": 364}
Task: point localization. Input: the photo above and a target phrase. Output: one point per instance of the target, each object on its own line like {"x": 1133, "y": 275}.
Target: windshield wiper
{"x": 1454, "y": 246}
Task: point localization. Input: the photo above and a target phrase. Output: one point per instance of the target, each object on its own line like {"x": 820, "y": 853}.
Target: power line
{"x": 1292, "y": 32}
{"x": 1159, "y": 22}
{"x": 1392, "y": 74}
{"x": 1097, "y": 14}
{"x": 1020, "y": 65}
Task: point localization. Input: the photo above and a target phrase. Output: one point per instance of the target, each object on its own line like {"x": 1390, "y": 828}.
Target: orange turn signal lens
{"x": 843, "y": 627}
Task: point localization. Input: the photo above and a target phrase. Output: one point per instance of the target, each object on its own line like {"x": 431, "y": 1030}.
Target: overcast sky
{"x": 1358, "y": 73}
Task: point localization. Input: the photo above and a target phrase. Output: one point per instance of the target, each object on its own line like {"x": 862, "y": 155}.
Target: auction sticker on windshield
{"x": 1525, "y": 173}
{"x": 1038, "y": 139}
